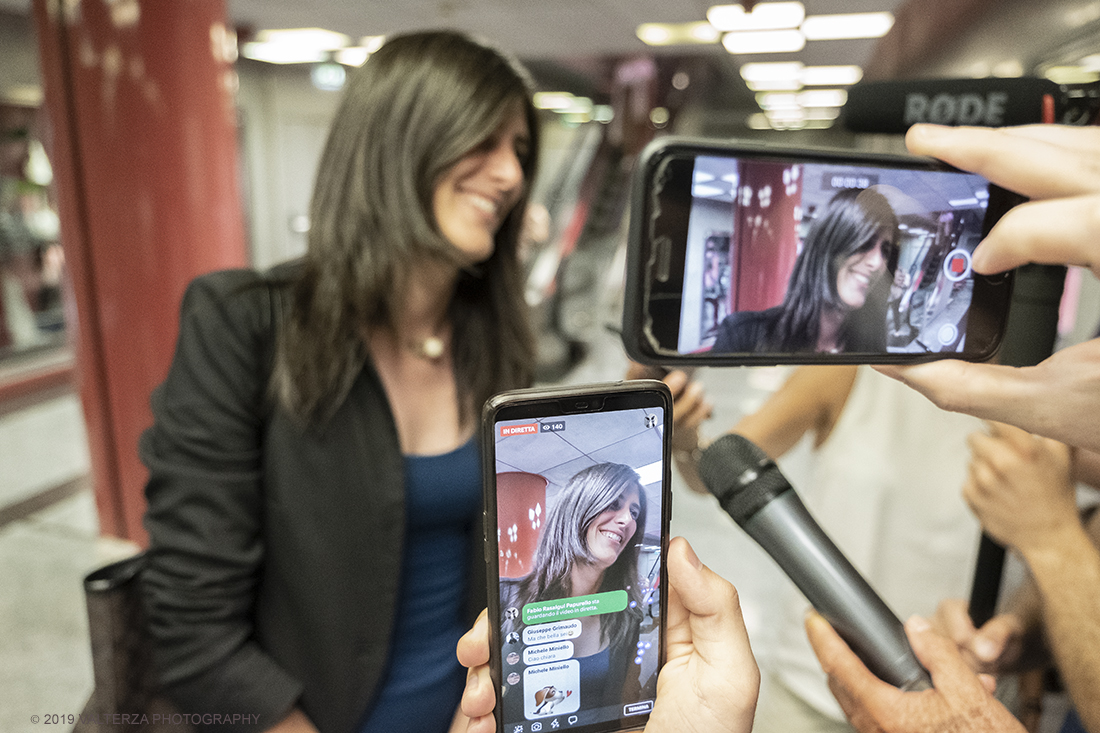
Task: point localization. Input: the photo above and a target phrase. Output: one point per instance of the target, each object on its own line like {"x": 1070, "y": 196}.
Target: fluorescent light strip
{"x": 650, "y": 473}
{"x": 764, "y": 16}
{"x": 669, "y": 34}
{"x": 828, "y": 76}
{"x": 843, "y": 26}
{"x": 788, "y": 41}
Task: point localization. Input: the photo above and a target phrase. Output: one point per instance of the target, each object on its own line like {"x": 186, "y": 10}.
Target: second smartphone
{"x": 577, "y": 510}
{"x": 750, "y": 254}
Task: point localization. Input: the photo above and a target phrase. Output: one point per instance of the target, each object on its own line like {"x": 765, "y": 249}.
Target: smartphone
{"x": 577, "y": 510}
{"x": 751, "y": 254}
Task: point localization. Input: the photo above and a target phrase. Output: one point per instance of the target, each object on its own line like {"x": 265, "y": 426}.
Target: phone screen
{"x": 579, "y": 508}
{"x": 804, "y": 256}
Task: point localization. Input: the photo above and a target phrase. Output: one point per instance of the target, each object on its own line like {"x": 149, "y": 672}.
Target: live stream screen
{"x": 820, "y": 257}
{"x": 578, "y": 533}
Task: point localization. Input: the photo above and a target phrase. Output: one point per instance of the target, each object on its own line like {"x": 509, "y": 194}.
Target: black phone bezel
{"x": 648, "y": 249}
{"x": 549, "y": 402}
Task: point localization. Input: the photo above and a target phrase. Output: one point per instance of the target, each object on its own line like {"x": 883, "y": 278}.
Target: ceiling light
{"x": 956, "y": 203}
{"x": 352, "y": 56}
{"x": 564, "y": 103}
{"x": 703, "y": 177}
{"x": 372, "y": 43}
{"x": 703, "y": 32}
{"x": 764, "y": 16}
{"x": 828, "y": 76}
{"x": 328, "y": 77}
{"x": 772, "y": 71}
{"x": 655, "y": 34}
{"x": 785, "y": 116}
{"x": 822, "y": 113}
{"x": 1010, "y": 69}
{"x": 1090, "y": 63}
{"x": 823, "y": 98}
{"x": 318, "y": 38}
{"x": 1070, "y": 75}
{"x": 777, "y": 100}
{"x": 703, "y": 191}
{"x": 669, "y": 34}
{"x": 764, "y": 42}
{"x": 847, "y": 25}
{"x": 294, "y": 45}
{"x": 779, "y": 85}
{"x": 553, "y": 100}
{"x": 758, "y": 121}
{"x": 274, "y": 53}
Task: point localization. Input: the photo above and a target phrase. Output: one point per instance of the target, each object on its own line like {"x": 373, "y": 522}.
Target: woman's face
{"x": 614, "y": 527}
{"x": 475, "y": 194}
{"x": 858, "y": 272}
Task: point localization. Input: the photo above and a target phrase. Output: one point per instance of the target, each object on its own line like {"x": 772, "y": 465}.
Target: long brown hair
{"x": 417, "y": 106}
{"x": 563, "y": 543}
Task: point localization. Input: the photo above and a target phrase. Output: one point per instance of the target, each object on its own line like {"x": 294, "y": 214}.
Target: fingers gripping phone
{"x": 746, "y": 254}
{"x": 577, "y": 510}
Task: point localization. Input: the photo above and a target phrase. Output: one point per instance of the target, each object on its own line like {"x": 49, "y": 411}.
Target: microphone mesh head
{"x": 740, "y": 475}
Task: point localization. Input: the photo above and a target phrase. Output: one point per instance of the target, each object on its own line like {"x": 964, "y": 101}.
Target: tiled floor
{"x": 45, "y": 660}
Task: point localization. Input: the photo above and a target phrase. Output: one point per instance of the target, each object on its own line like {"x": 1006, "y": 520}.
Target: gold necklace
{"x": 429, "y": 347}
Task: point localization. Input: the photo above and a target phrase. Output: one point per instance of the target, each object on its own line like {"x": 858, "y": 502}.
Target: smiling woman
{"x": 830, "y": 304}
{"x": 314, "y": 491}
{"x": 590, "y": 544}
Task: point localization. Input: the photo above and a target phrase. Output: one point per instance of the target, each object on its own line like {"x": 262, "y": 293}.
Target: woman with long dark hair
{"x": 833, "y": 301}
{"x": 589, "y": 544}
{"x": 314, "y": 490}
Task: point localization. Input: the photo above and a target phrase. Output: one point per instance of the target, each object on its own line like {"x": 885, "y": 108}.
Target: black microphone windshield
{"x": 892, "y": 106}
{"x": 741, "y": 476}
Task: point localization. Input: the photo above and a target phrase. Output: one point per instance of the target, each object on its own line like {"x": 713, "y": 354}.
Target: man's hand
{"x": 961, "y": 701}
{"x": 995, "y": 648}
{"x": 690, "y": 406}
{"x": 710, "y": 680}
{"x": 1021, "y": 487}
{"x": 1059, "y": 169}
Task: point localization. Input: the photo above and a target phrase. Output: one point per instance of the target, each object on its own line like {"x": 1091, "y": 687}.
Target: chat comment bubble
{"x": 565, "y": 608}
{"x": 546, "y": 653}
{"x": 551, "y": 689}
{"x": 546, "y": 633}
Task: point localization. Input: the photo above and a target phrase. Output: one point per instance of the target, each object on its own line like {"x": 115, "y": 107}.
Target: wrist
{"x": 1066, "y": 544}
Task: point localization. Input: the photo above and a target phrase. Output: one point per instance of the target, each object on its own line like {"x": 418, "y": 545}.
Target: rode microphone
{"x": 892, "y": 106}
{"x": 759, "y": 498}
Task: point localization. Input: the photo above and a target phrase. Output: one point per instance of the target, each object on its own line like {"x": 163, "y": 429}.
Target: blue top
{"x": 594, "y": 673}
{"x": 423, "y": 682}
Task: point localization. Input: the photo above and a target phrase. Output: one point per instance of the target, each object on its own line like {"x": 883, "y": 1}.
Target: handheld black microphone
{"x": 893, "y": 106}
{"x": 751, "y": 489}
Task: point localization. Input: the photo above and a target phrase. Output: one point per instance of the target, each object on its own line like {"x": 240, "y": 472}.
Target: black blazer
{"x": 275, "y": 550}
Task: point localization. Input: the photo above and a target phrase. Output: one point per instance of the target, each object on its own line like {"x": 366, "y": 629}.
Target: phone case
{"x": 652, "y": 252}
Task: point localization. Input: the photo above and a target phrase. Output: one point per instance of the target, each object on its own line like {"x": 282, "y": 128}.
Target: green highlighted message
{"x": 593, "y": 605}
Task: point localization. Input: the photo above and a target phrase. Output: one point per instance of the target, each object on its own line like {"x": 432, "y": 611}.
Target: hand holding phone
{"x": 743, "y": 254}
{"x": 577, "y": 514}
{"x": 710, "y": 681}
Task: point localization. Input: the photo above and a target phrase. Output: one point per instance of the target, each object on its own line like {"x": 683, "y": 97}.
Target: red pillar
{"x": 140, "y": 99}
